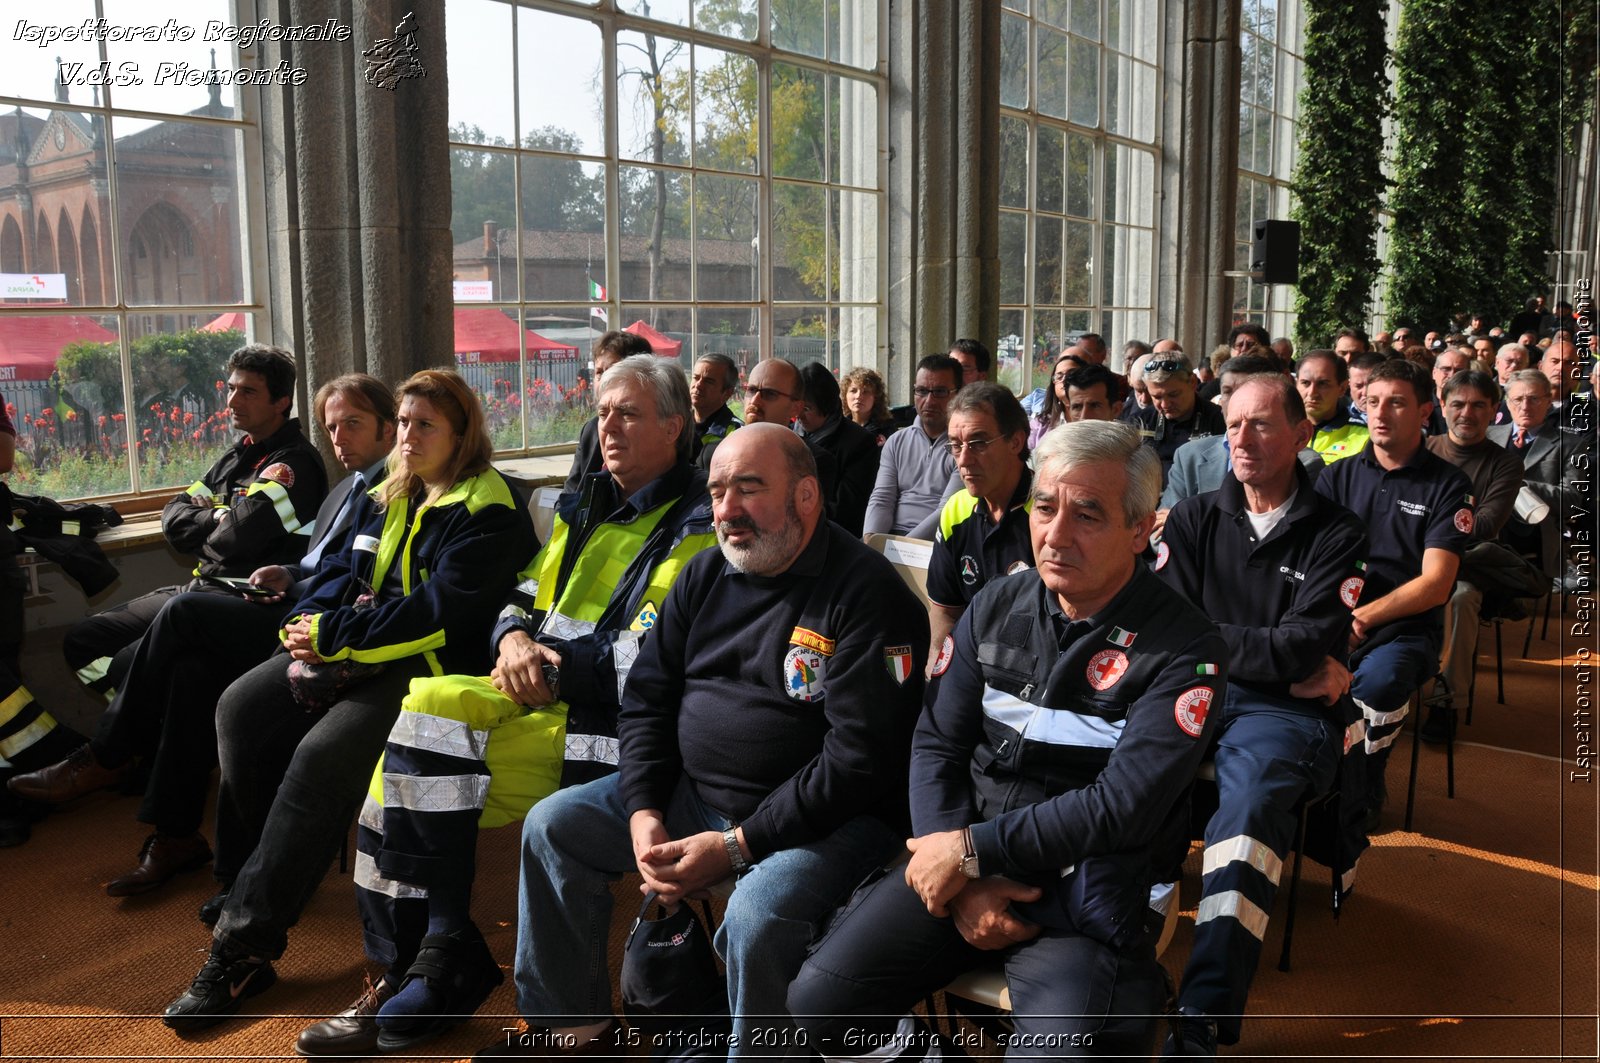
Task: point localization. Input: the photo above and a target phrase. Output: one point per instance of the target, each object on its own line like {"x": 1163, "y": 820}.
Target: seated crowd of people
{"x": 705, "y": 676}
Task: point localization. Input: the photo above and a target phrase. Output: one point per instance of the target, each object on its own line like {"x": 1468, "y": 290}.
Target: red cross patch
{"x": 1105, "y": 668}
{"x": 1191, "y": 709}
{"x": 1464, "y": 521}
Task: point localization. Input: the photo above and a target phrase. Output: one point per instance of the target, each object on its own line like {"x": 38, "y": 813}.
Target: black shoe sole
{"x": 399, "y": 1042}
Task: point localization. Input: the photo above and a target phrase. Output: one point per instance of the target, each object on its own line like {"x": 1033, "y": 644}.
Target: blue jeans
{"x": 1268, "y": 759}
{"x": 576, "y": 842}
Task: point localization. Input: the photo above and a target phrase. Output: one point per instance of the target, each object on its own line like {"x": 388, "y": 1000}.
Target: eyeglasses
{"x": 1165, "y": 366}
{"x": 767, "y": 394}
{"x": 976, "y": 446}
{"x": 931, "y": 393}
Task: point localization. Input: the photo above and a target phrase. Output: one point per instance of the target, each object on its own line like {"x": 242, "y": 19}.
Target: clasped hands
{"x": 678, "y": 868}
{"x": 980, "y": 907}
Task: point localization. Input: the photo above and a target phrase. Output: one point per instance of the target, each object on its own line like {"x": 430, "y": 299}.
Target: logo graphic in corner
{"x": 1191, "y": 709}
{"x": 1464, "y": 521}
{"x": 1163, "y": 551}
{"x": 1350, "y": 591}
{"x": 646, "y": 619}
{"x": 969, "y": 570}
{"x": 802, "y": 673}
{"x": 898, "y": 660}
{"x": 1105, "y": 668}
{"x": 946, "y": 651}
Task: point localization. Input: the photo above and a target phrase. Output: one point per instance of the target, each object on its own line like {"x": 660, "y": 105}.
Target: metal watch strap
{"x": 730, "y": 842}
{"x": 969, "y": 854}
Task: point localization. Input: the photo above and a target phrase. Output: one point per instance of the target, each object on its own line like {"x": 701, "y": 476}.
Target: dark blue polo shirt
{"x": 970, "y": 549}
{"x": 1425, "y": 503}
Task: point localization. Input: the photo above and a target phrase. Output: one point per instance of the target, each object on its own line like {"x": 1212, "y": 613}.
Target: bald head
{"x": 765, "y": 498}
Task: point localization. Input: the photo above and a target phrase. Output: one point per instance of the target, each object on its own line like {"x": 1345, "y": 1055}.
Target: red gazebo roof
{"x": 484, "y": 334}
{"x": 29, "y": 346}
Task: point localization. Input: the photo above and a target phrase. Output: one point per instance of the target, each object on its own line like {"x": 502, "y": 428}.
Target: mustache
{"x": 737, "y": 524}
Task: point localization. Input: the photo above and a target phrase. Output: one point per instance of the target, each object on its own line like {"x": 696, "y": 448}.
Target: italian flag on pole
{"x": 597, "y": 292}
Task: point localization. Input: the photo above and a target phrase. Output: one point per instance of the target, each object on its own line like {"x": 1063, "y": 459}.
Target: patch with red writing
{"x": 279, "y": 473}
{"x": 1464, "y": 521}
{"x": 946, "y": 651}
{"x": 1163, "y": 551}
{"x": 1191, "y": 709}
{"x": 1106, "y": 667}
{"x": 1350, "y": 591}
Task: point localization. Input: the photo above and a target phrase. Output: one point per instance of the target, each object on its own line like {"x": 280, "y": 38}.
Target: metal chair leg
{"x": 1294, "y": 886}
{"x": 1416, "y": 749}
{"x": 1499, "y": 667}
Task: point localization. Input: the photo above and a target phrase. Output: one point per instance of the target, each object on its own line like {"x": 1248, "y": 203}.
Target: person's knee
{"x": 819, "y": 1000}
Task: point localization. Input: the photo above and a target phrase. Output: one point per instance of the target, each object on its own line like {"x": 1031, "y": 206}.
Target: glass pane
{"x": 802, "y": 267}
{"x": 483, "y": 219}
{"x": 728, "y": 18}
{"x": 28, "y": 67}
{"x": 1267, "y": 19}
{"x": 1047, "y": 333}
{"x": 1131, "y": 99}
{"x": 61, "y": 381}
{"x": 1130, "y": 185}
{"x": 673, "y": 11}
{"x": 528, "y": 380}
{"x": 181, "y": 426}
{"x": 1262, "y": 139}
{"x": 1055, "y": 12}
{"x": 802, "y": 334}
{"x": 1080, "y": 175}
{"x": 1126, "y": 268}
{"x": 733, "y": 332}
{"x": 1247, "y": 150}
{"x": 179, "y": 213}
{"x": 1013, "y": 61}
{"x": 1078, "y": 264}
{"x": 1052, "y": 175}
{"x": 562, "y": 106}
{"x": 1016, "y": 5}
{"x": 1013, "y": 162}
{"x": 853, "y": 134}
{"x": 168, "y": 75}
{"x": 797, "y": 26}
{"x": 727, "y": 258}
{"x": 725, "y": 127}
{"x": 1047, "y": 261}
{"x": 802, "y": 135}
{"x": 858, "y": 336}
{"x": 655, "y": 233}
{"x": 1009, "y": 351}
{"x": 857, "y": 226}
{"x": 1083, "y": 86}
{"x": 481, "y": 91}
{"x": 563, "y": 250}
{"x": 1266, "y": 76}
{"x": 676, "y": 323}
{"x": 652, "y": 97}
{"x": 1013, "y": 257}
{"x": 1050, "y": 72}
{"x": 1086, "y": 18}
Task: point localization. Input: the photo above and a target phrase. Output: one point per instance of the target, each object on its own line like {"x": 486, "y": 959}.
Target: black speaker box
{"x": 1275, "y": 251}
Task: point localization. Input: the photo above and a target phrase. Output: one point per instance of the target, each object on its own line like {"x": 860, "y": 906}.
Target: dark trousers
{"x": 197, "y": 645}
{"x": 1071, "y": 996}
{"x": 291, "y": 784}
{"x": 1268, "y": 759}
{"x": 99, "y": 648}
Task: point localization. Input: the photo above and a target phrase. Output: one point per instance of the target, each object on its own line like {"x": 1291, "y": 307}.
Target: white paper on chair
{"x": 915, "y": 554}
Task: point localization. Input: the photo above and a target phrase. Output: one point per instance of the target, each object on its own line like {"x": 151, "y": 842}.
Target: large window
{"x": 1269, "y": 98}
{"x": 706, "y": 173}
{"x": 1078, "y": 148}
{"x": 125, "y": 253}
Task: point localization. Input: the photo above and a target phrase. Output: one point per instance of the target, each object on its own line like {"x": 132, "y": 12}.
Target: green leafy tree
{"x": 1338, "y": 179}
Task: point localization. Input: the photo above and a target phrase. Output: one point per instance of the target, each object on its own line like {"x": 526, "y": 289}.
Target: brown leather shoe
{"x": 72, "y": 777}
{"x": 352, "y": 1032}
{"x": 162, "y": 857}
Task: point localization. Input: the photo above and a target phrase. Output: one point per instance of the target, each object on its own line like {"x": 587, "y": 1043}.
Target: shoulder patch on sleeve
{"x": 946, "y": 651}
{"x": 1163, "y": 552}
{"x": 1191, "y": 709}
{"x": 279, "y": 472}
{"x": 1464, "y": 521}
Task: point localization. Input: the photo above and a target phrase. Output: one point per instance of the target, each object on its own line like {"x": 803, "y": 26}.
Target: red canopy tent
{"x": 234, "y": 322}
{"x": 484, "y": 334}
{"x": 29, "y": 346}
{"x": 660, "y": 344}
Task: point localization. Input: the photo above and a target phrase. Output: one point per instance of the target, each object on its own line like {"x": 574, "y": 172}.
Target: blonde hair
{"x": 455, "y": 402}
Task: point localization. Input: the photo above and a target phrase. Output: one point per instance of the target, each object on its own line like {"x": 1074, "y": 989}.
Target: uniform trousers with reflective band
{"x": 576, "y": 842}
{"x": 1461, "y": 615}
{"x": 1268, "y": 759}
{"x": 1071, "y": 995}
{"x": 1382, "y": 681}
{"x": 196, "y": 646}
{"x": 291, "y": 784}
{"x": 99, "y": 648}
{"x": 30, "y": 738}
{"x": 458, "y": 745}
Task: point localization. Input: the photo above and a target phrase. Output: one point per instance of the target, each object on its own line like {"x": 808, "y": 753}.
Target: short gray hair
{"x": 1535, "y": 377}
{"x": 1086, "y": 442}
{"x": 666, "y": 382}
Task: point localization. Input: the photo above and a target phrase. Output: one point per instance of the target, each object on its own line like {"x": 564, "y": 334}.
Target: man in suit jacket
{"x": 198, "y": 644}
{"x": 1551, "y": 465}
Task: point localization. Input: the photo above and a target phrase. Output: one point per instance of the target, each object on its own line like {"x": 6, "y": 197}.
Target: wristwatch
{"x": 730, "y": 842}
{"x": 969, "y": 854}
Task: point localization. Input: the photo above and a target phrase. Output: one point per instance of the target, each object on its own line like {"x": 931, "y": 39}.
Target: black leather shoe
{"x": 162, "y": 857}
{"x": 224, "y": 982}
{"x": 352, "y": 1032}
{"x": 1194, "y": 1034}
{"x": 211, "y": 908}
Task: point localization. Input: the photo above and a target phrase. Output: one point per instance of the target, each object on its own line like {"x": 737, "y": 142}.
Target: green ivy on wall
{"x": 1338, "y": 180}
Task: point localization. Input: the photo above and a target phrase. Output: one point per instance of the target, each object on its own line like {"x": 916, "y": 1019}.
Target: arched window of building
{"x": 10, "y": 245}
